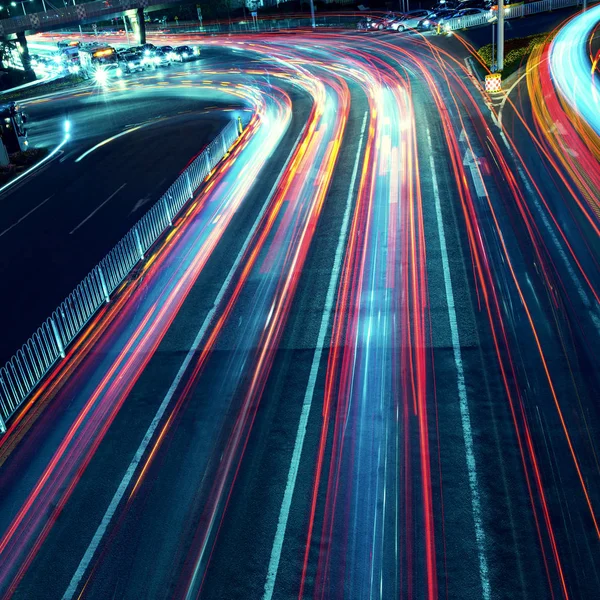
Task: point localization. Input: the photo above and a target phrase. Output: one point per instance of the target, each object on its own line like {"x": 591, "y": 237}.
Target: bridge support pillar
{"x": 25, "y": 57}
{"x": 138, "y": 25}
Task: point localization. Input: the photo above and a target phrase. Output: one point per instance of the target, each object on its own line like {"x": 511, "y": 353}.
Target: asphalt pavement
{"x": 361, "y": 365}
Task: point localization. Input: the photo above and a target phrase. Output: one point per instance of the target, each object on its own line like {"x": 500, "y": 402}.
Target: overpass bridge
{"x": 16, "y": 28}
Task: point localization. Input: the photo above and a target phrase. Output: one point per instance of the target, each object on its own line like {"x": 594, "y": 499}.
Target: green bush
{"x": 43, "y": 88}
{"x": 516, "y": 51}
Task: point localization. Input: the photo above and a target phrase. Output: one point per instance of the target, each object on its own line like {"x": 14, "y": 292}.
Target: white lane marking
{"x": 108, "y": 140}
{"x": 591, "y": 306}
{"x": 114, "y": 503}
{"x": 462, "y": 390}
{"x": 284, "y": 512}
{"x": 471, "y": 162}
{"x": 37, "y": 165}
{"x": 96, "y": 210}
{"x": 512, "y": 87}
{"x": 26, "y": 215}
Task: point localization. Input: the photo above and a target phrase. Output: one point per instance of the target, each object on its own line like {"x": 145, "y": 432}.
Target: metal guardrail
{"x": 510, "y": 12}
{"x": 73, "y": 14}
{"x": 26, "y": 369}
{"x": 276, "y": 24}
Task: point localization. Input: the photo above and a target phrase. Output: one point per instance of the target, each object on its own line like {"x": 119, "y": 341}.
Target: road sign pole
{"x": 126, "y": 29}
{"x": 312, "y": 13}
{"x": 500, "y": 50}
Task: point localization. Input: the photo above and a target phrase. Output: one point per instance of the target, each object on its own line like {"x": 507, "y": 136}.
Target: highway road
{"x": 127, "y": 144}
{"x": 362, "y": 365}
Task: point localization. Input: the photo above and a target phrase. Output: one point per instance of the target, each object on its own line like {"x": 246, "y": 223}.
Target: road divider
{"x": 26, "y": 369}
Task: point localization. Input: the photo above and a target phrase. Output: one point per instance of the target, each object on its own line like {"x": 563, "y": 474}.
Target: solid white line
{"x": 26, "y": 215}
{"x": 462, "y": 390}
{"x": 512, "y": 87}
{"x": 108, "y": 140}
{"x": 96, "y": 210}
{"x": 284, "y": 512}
{"x": 50, "y": 156}
{"x": 110, "y": 511}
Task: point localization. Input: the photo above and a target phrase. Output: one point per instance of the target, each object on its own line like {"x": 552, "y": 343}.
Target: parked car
{"x": 471, "y": 4}
{"x": 411, "y": 20}
{"x": 435, "y": 18}
{"x": 388, "y": 20}
{"x": 469, "y": 12}
{"x": 393, "y": 25}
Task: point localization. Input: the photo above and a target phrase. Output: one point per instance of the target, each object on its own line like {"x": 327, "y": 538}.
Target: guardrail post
{"x": 58, "y": 339}
{"x": 138, "y": 243}
{"x": 187, "y": 174}
{"x": 224, "y": 145}
{"x": 167, "y": 211}
{"x": 2, "y": 425}
{"x": 103, "y": 284}
{"x": 208, "y": 167}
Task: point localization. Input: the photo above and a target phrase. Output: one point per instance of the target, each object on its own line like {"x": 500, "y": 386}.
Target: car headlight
{"x": 131, "y": 65}
{"x": 185, "y": 55}
{"x": 157, "y": 60}
{"x": 147, "y": 53}
{"x": 426, "y": 22}
{"x": 196, "y": 50}
{"x": 119, "y": 72}
{"x": 101, "y": 76}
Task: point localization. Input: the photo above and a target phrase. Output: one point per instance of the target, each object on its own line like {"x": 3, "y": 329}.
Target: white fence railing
{"x": 510, "y": 12}
{"x": 25, "y": 370}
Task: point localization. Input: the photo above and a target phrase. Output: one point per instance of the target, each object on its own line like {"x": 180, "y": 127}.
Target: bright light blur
{"x": 101, "y": 76}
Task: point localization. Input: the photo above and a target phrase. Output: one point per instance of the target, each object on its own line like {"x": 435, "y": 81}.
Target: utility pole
{"x": 500, "y": 51}
{"x": 312, "y": 13}
{"x": 584, "y": 5}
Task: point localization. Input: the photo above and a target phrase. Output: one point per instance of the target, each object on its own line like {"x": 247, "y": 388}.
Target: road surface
{"x": 361, "y": 365}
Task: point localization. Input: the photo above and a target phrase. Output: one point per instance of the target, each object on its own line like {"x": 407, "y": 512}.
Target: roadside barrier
{"x": 511, "y": 11}
{"x": 26, "y": 369}
{"x": 493, "y": 82}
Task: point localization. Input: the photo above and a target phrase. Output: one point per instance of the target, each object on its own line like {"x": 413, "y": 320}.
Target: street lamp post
{"x": 312, "y": 13}
{"x": 500, "y": 53}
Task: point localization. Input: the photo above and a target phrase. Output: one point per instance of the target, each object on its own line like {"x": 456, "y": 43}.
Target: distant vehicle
{"x": 469, "y": 12}
{"x": 364, "y": 24}
{"x": 412, "y": 20}
{"x": 371, "y": 24}
{"x": 183, "y": 53}
{"x": 166, "y": 48}
{"x": 387, "y": 20}
{"x": 395, "y": 23}
{"x": 67, "y": 44}
{"x": 104, "y": 74}
{"x": 471, "y": 4}
{"x": 162, "y": 58}
{"x": 493, "y": 6}
{"x": 147, "y": 49}
{"x": 91, "y": 57}
{"x": 434, "y": 19}
{"x": 132, "y": 62}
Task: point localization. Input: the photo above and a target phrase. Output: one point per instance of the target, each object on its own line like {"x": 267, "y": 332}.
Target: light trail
{"x": 381, "y": 517}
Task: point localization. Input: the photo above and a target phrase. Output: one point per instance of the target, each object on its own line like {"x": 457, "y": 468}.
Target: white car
{"x": 411, "y": 20}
